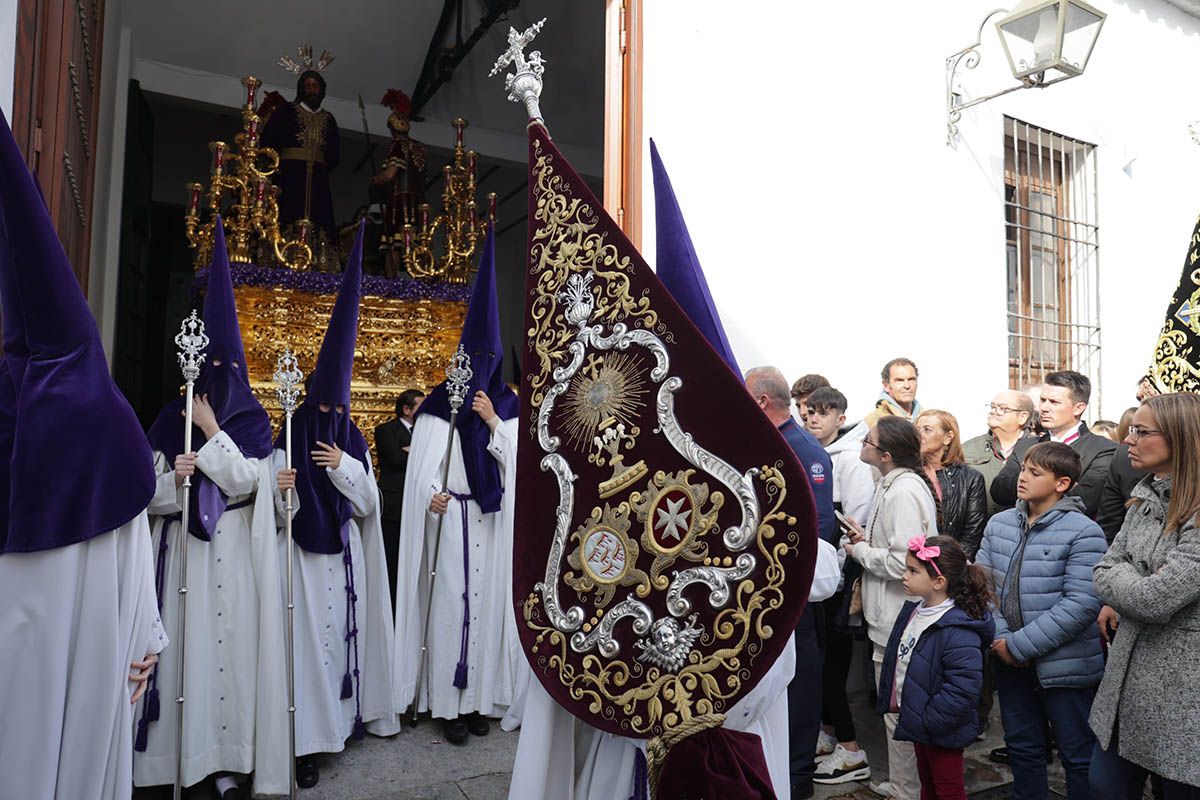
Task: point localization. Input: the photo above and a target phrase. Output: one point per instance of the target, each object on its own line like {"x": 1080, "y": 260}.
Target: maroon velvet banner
{"x": 665, "y": 532}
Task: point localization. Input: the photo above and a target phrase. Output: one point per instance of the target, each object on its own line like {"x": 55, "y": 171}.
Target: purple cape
{"x": 481, "y": 339}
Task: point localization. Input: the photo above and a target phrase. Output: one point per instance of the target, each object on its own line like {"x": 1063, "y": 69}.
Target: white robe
{"x": 560, "y": 756}
{"x": 72, "y": 619}
{"x": 323, "y": 720}
{"x": 493, "y": 649}
{"x": 235, "y": 690}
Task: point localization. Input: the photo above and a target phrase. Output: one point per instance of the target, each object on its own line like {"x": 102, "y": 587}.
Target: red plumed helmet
{"x": 397, "y": 101}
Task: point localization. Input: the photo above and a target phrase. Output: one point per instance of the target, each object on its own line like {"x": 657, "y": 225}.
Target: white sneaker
{"x": 883, "y": 788}
{"x": 826, "y": 743}
{"x": 842, "y": 766}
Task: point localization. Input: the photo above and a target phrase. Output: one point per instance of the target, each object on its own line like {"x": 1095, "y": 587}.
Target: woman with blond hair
{"x": 961, "y": 489}
{"x": 1145, "y": 715}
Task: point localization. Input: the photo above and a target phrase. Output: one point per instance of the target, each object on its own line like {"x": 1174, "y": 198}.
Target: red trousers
{"x": 941, "y": 772}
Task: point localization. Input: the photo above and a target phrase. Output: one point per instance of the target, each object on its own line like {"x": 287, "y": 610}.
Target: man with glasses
{"x": 1008, "y": 417}
{"x": 1065, "y": 397}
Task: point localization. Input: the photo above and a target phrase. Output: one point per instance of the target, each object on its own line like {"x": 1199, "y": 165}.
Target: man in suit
{"x": 1064, "y": 399}
{"x": 392, "y": 440}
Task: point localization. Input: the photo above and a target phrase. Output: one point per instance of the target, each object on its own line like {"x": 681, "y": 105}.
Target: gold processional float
{"x": 408, "y": 327}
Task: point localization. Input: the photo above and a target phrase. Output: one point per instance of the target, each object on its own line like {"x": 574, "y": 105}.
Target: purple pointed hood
{"x": 320, "y": 526}
{"x": 74, "y": 463}
{"x": 481, "y": 339}
{"x": 225, "y": 382}
{"x": 331, "y": 376}
{"x": 678, "y": 267}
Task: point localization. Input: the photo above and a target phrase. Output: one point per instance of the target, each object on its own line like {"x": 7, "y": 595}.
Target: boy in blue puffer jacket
{"x": 932, "y": 669}
{"x": 1047, "y": 653}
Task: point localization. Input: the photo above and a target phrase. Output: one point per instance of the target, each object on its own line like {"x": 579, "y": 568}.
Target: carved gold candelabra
{"x": 240, "y": 189}
{"x": 458, "y": 226}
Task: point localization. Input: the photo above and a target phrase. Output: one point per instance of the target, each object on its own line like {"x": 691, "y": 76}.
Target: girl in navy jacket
{"x": 933, "y": 666}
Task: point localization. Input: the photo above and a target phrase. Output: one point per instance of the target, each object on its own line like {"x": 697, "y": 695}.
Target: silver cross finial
{"x": 458, "y": 378}
{"x": 287, "y": 381}
{"x": 524, "y": 85}
{"x": 191, "y": 341}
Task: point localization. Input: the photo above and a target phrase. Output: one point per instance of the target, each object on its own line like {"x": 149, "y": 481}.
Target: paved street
{"x": 418, "y": 765}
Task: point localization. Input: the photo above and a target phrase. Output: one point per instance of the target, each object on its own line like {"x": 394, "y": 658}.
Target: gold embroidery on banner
{"x": 674, "y": 522}
{"x": 568, "y": 255}
{"x": 648, "y": 700}
{"x": 607, "y": 556}
{"x": 1175, "y": 359}
{"x": 608, "y": 387}
{"x": 564, "y": 242}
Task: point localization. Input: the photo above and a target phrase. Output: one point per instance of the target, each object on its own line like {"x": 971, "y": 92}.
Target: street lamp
{"x": 1045, "y": 41}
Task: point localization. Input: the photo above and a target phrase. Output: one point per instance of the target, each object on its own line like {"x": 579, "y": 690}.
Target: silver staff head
{"x": 191, "y": 341}
{"x": 288, "y": 380}
{"x": 458, "y": 378}
{"x": 525, "y": 84}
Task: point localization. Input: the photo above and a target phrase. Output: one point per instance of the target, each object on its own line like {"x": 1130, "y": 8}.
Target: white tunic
{"x": 560, "y": 756}
{"x": 323, "y": 720}
{"x": 72, "y": 620}
{"x": 235, "y": 691}
{"x": 493, "y": 649}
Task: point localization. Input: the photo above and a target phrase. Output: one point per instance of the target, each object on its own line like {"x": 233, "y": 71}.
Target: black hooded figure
{"x": 306, "y": 138}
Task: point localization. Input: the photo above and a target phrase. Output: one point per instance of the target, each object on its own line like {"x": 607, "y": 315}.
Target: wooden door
{"x": 55, "y": 109}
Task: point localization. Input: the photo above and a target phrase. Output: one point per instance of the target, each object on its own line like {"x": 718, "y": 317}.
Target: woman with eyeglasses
{"x": 1145, "y": 715}
{"x": 961, "y": 489}
{"x": 905, "y": 505}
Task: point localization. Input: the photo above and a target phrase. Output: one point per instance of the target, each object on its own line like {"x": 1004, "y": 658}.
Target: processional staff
{"x": 191, "y": 341}
{"x": 288, "y": 379}
{"x": 458, "y": 380}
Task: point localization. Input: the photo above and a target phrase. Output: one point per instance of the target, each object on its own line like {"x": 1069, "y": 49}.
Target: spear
{"x": 370, "y": 156}
{"x": 287, "y": 382}
{"x": 191, "y": 341}
{"x": 458, "y": 379}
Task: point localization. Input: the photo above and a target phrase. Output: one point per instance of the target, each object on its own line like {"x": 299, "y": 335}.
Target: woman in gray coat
{"x": 1146, "y": 716}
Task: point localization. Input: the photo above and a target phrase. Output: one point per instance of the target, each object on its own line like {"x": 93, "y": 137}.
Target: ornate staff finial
{"x": 524, "y": 85}
{"x": 288, "y": 378}
{"x": 458, "y": 378}
{"x": 191, "y": 341}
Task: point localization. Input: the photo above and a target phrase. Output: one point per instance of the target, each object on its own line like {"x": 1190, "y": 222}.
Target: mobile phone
{"x": 843, "y": 522}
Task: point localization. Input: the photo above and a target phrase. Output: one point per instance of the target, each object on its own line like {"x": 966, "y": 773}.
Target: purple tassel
{"x": 152, "y": 708}
{"x": 139, "y": 741}
{"x": 360, "y": 730}
{"x": 641, "y": 789}
{"x": 460, "y": 676}
{"x": 347, "y": 687}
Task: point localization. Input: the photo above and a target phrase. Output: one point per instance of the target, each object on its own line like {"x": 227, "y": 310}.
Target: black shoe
{"x": 307, "y": 773}
{"x": 999, "y": 755}
{"x": 478, "y": 725}
{"x": 235, "y": 793}
{"x": 802, "y": 791}
{"x": 454, "y": 731}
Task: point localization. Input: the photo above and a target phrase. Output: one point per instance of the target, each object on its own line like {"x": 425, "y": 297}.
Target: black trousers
{"x": 804, "y": 697}
{"x": 392, "y": 501}
{"x": 835, "y": 705}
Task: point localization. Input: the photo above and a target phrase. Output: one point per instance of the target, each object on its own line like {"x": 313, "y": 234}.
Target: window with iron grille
{"x": 1053, "y": 255}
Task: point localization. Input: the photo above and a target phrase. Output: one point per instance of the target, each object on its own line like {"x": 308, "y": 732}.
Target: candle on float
{"x": 492, "y": 206}
{"x": 260, "y": 192}
{"x": 218, "y": 162}
{"x": 193, "y": 199}
{"x": 424, "y": 215}
{"x": 471, "y": 162}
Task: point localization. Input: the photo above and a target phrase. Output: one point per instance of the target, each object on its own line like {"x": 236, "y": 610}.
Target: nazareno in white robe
{"x": 494, "y": 656}
{"x": 235, "y": 686}
{"x": 72, "y": 620}
{"x": 323, "y": 720}
{"x": 560, "y": 756}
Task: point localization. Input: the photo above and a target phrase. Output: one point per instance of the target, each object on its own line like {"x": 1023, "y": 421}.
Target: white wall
{"x": 8, "y": 53}
{"x": 837, "y": 229}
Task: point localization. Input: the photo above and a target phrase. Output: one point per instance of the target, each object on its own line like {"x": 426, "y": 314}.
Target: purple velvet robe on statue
{"x": 304, "y": 138}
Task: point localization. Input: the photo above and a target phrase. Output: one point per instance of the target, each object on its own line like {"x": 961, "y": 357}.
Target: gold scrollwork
{"x": 649, "y": 701}
{"x": 565, "y": 242}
